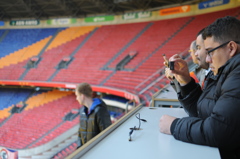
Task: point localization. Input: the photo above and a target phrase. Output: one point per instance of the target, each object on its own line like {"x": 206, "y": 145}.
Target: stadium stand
{"x": 95, "y": 52}
{"x": 88, "y": 48}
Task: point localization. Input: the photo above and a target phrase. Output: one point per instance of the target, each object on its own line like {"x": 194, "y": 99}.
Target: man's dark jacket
{"x": 93, "y": 121}
{"x": 214, "y": 112}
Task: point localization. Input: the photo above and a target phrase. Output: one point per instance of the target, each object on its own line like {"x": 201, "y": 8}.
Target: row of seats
{"x": 11, "y": 96}
{"x": 65, "y": 152}
{"x": 20, "y": 38}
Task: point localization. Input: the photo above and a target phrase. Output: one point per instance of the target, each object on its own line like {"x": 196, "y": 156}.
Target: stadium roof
{"x": 45, "y": 9}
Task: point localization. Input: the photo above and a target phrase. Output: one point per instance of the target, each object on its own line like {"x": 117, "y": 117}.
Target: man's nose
{"x": 208, "y": 59}
{"x": 196, "y": 53}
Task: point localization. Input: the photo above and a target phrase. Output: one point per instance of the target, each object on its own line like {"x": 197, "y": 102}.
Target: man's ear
{"x": 233, "y": 48}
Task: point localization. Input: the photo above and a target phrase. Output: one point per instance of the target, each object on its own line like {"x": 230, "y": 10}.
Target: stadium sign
{"x": 128, "y": 16}
{"x": 99, "y": 19}
{"x": 24, "y": 22}
{"x": 212, "y": 3}
{"x": 145, "y": 14}
{"x": 175, "y": 10}
{"x": 62, "y": 21}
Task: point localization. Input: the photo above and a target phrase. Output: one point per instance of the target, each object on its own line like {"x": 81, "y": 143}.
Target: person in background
{"x": 192, "y": 50}
{"x": 94, "y": 117}
{"x": 214, "y": 112}
{"x": 198, "y": 54}
{"x": 201, "y": 58}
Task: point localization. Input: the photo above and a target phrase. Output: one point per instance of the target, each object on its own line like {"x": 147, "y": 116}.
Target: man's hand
{"x": 168, "y": 74}
{"x": 180, "y": 72}
{"x": 165, "y": 124}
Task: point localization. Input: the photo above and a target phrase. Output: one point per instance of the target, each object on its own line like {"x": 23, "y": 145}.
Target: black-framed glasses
{"x": 210, "y": 52}
{"x": 135, "y": 128}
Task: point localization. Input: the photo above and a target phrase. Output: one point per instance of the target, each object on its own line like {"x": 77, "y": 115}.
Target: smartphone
{"x": 169, "y": 64}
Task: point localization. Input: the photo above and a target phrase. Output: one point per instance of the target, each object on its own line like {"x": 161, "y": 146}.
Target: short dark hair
{"x": 200, "y": 32}
{"x": 223, "y": 30}
{"x": 85, "y": 89}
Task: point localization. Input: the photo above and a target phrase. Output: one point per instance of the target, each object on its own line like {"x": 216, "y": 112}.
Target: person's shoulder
{"x": 101, "y": 102}
{"x": 233, "y": 64}
{"x": 101, "y": 106}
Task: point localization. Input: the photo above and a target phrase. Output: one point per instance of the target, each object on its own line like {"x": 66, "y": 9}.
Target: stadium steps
{"x": 49, "y": 42}
{"x": 40, "y": 53}
{"x": 70, "y": 34}
{"x": 108, "y": 64}
{"x": 66, "y": 150}
{"x": 91, "y": 31}
{"x": 45, "y": 134}
{"x": 64, "y": 143}
{"x": 4, "y": 35}
{"x": 107, "y": 78}
{"x": 76, "y": 50}
{"x": 5, "y": 120}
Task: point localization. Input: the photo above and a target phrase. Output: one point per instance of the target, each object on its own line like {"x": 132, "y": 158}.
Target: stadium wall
{"x": 130, "y": 17}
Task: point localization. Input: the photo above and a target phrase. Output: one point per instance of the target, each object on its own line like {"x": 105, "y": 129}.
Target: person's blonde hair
{"x": 85, "y": 89}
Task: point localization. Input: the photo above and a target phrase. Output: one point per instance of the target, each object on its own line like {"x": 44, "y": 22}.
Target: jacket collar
{"x": 96, "y": 102}
{"x": 235, "y": 59}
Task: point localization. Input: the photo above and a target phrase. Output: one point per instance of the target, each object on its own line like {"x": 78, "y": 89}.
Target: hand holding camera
{"x": 169, "y": 66}
{"x": 177, "y": 68}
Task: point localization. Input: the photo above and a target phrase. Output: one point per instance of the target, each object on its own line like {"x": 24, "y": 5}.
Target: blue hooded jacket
{"x": 94, "y": 120}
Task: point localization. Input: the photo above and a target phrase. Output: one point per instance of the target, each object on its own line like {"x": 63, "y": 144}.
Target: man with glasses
{"x": 214, "y": 112}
